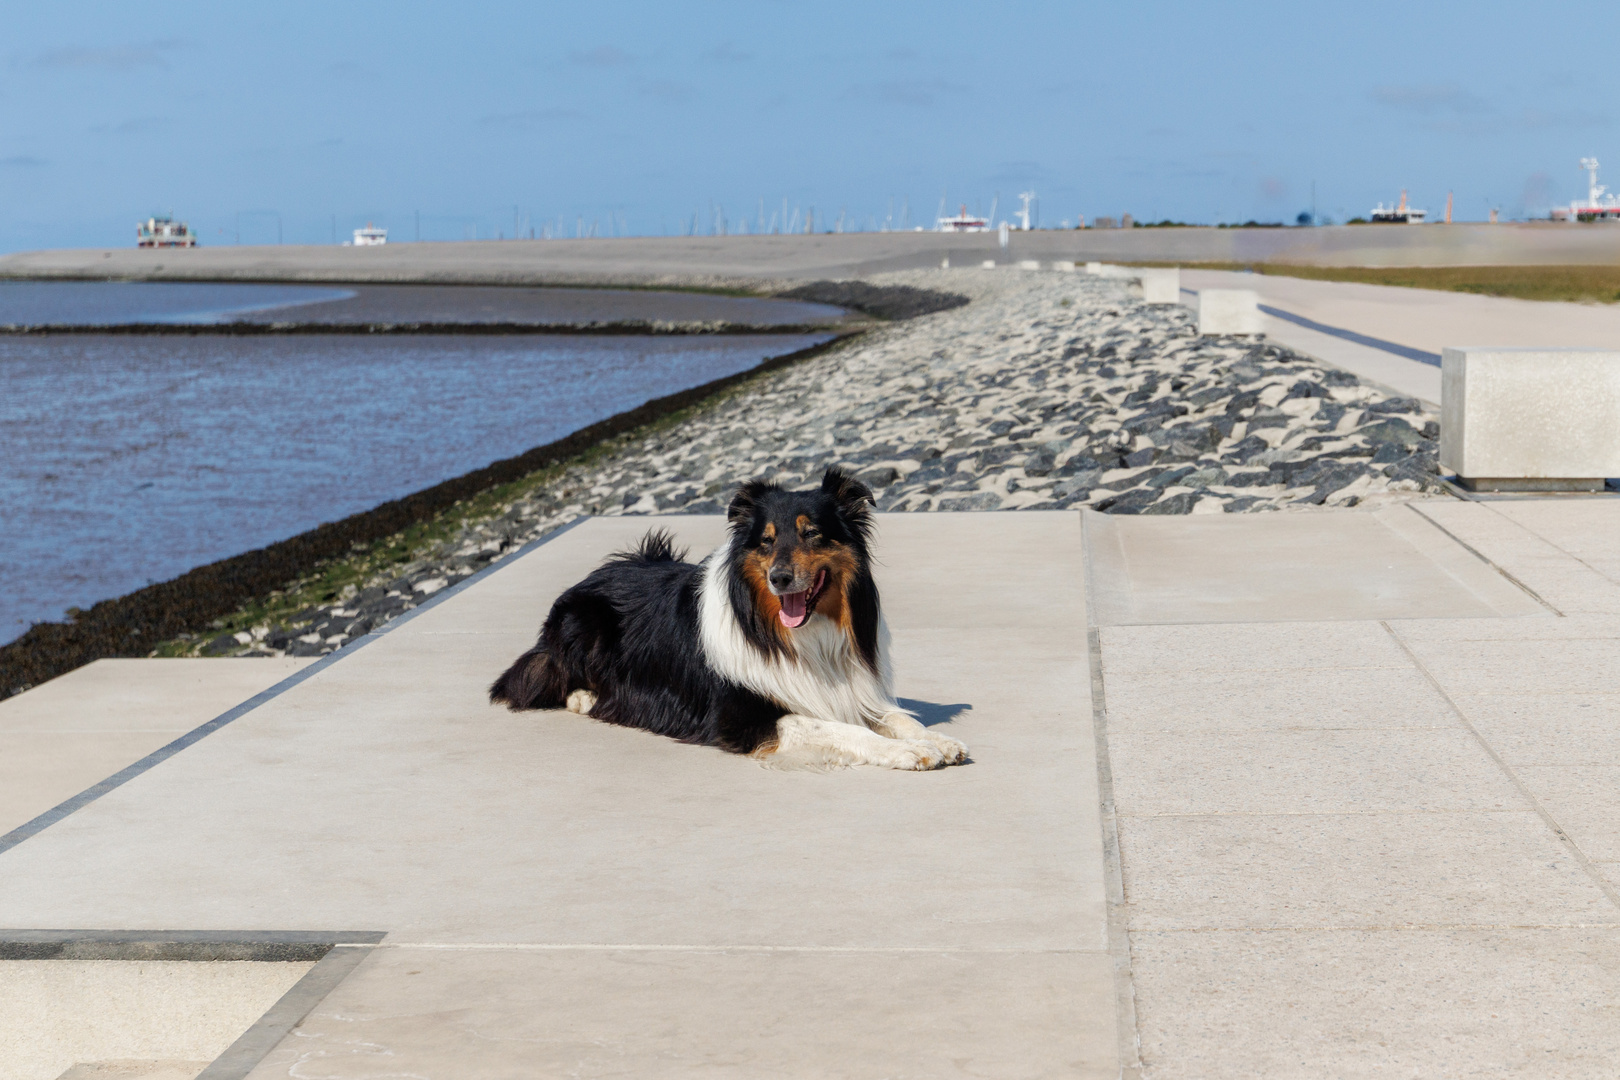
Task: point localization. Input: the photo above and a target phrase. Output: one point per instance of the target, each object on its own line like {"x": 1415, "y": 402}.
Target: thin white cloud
{"x": 667, "y": 91}
{"x": 727, "y": 53}
{"x": 916, "y": 93}
{"x": 603, "y": 56}
{"x": 528, "y": 118}
{"x": 1430, "y": 98}
{"x": 113, "y": 58}
{"x": 137, "y": 125}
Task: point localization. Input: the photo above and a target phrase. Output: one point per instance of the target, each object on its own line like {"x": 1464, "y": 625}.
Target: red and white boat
{"x": 164, "y": 232}
{"x": 963, "y": 222}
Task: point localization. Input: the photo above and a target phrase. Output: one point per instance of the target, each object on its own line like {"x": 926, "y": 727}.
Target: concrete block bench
{"x": 1162, "y": 285}
{"x": 1229, "y": 311}
{"x": 1530, "y": 419}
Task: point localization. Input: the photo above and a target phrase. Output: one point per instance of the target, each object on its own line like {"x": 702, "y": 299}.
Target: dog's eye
{"x": 810, "y": 534}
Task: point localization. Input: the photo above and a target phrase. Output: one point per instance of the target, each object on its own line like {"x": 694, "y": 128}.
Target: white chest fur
{"x": 824, "y": 679}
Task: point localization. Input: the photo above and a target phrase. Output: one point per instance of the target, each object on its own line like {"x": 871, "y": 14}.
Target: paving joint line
{"x": 163, "y": 753}
{"x": 1568, "y": 841}
{"x": 1119, "y": 937}
{"x": 1545, "y": 540}
{"x": 1482, "y": 557}
{"x": 541, "y": 946}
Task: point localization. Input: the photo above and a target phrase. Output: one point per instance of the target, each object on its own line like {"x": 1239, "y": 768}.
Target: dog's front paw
{"x": 954, "y": 752}
{"x": 916, "y": 756}
{"x": 581, "y": 701}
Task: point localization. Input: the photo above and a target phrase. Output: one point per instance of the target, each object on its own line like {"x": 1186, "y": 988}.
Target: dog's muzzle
{"x": 797, "y": 606}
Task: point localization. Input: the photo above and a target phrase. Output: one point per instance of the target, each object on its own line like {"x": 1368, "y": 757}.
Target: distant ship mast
{"x": 1026, "y": 197}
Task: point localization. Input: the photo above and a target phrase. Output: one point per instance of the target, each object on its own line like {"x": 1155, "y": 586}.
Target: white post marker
{"x": 1530, "y": 419}
{"x": 1161, "y": 285}
{"x": 1093, "y": 267}
{"x": 1229, "y": 311}
{"x": 989, "y": 264}
{"x": 1029, "y": 264}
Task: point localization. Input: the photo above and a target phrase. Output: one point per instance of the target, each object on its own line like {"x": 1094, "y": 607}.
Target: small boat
{"x": 162, "y": 231}
{"x": 1400, "y": 214}
{"x": 370, "y": 236}
{"x": 963, "y": 222}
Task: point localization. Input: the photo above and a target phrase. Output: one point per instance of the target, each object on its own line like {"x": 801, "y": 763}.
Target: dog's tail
{"x": 535, "y": 681}
{"x": 658, "y": 546}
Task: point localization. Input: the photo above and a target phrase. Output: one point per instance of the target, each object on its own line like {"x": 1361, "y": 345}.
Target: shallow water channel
{"x": 131, "y": 459}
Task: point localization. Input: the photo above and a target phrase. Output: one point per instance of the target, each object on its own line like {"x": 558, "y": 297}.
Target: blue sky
{"x": 637, "y": 116}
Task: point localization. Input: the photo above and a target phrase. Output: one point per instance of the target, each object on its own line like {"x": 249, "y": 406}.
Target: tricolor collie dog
{"x": 773, "y": 646}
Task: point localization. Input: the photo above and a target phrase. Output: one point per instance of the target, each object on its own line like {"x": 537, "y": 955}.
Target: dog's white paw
{"x": 916, "y": 756}
{"x": 582, "y": 702}
{"x": 954, "y": 752}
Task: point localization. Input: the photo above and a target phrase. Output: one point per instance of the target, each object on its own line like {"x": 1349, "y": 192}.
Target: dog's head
{"x": 802, "y": 553}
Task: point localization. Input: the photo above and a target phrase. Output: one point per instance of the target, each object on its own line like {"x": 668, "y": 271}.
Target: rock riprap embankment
{"x": 1049, "y": 391}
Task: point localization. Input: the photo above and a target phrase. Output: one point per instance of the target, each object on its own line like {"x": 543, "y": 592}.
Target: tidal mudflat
{"x": 133, "y": 459}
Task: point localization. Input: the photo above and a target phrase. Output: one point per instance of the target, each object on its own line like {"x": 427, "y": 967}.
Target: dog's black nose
{"x": 781, "y": 578}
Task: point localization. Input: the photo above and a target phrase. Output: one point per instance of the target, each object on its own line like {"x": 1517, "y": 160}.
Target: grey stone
{"x": 979, "y": 500}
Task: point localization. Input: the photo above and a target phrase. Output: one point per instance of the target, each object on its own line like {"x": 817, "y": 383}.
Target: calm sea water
{"x": 128, "y": 460}
{"x": 99, "y": 303}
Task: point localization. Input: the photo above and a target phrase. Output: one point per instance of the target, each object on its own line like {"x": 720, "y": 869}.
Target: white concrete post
{"x": 1029, "y": 264}
{"x": 1093, "y": 267}
{"x": 1229, "y": 311}
{"x": 1530, "y": 419}
{"x": 1162, "y": 286}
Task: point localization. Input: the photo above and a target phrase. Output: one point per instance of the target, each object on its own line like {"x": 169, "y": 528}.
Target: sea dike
{"x": 1049, "y": 391}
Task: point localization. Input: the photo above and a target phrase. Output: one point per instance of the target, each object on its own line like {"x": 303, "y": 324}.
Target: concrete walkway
{"x": 562, "y": 897}
{"x": 1281, "y": 795}
{"x": 1377, "y": 846}
{"x": 1408, "y": 328}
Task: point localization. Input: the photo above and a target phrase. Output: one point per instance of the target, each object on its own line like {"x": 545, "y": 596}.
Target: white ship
{"x": 162, "y": 231}
{"x": 963, "y": 222}
{"x": 1400, "y": 214}
{"x": 1598, "y": 205}
{"x": 370, "y": 236}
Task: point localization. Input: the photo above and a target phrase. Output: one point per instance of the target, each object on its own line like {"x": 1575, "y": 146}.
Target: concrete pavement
{"x": 561, "y": 896}
{"x": 1394, "y": 336}
{"x": 1284, "y": 795}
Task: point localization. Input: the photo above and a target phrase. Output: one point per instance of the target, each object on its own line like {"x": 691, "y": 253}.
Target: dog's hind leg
{"x": 897, "y": 723}
{"x": 803, "y": 742}
{"x": 534, "y": 681}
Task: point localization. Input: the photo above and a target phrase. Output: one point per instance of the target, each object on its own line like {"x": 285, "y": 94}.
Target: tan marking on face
{"x": 841, "y": 565}
{"x": 756, "y": 569}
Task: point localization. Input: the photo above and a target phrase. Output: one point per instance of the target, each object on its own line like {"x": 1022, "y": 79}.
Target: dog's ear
{"x": 741, "y": 510}
{"x": 850, "y": 492}
{"x": 853, "y": 497}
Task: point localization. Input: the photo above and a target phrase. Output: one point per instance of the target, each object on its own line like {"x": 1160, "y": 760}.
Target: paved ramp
{"x": 564, "y": 897}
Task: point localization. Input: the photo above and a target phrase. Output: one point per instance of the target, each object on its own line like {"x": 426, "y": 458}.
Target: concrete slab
{"x": 383, "y": 793}
{"x": 1231, "y": 871}
{"x": 1389, "y": 564}
{"x": 127, "y": 1018}
{"x": 1359, "y": 1003}
{"x": 1363, "y": 848}
{"x": 65, "y": 735}
{"x": 700, "y": 1013}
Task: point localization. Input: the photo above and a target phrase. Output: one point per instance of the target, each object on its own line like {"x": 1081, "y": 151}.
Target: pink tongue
{"x": 793, "y": 613}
